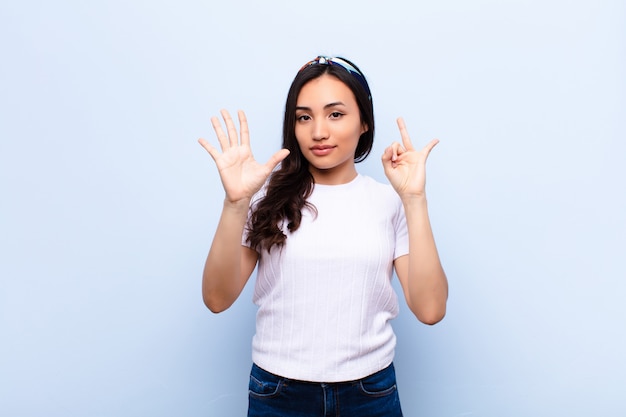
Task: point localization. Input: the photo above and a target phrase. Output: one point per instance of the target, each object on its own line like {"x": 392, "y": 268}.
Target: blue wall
{"x": 108, "y": 204}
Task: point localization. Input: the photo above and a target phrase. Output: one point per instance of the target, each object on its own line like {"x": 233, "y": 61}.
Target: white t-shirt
{"x": 325, "y": 299}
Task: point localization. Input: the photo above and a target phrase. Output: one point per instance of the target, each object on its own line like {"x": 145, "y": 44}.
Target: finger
{"x": 388, "y": 163}
{"x": 404, "y": 134}
{"x": 230, "y": 127}
{"x": 221, "y": 136}
{"x": 396, "y": 150}
{"x": 243, "y": 128}
{"x": 429, "y": 147}
{"x": 276, "y": 159}
{"x": 387, "y": 156}
{"x": 209, "y": 148}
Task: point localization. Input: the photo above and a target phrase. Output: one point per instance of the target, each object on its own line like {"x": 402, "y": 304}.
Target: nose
{"x": 320, "y": 130}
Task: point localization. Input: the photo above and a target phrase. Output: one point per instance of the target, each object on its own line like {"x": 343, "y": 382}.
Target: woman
{"x": 326, "y": 240}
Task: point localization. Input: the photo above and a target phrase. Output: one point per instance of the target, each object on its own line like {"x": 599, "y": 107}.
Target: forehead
{"x": 323, "y": 90}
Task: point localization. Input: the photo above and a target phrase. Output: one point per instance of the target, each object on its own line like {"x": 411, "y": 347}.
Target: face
{"x": 328, "y": 127}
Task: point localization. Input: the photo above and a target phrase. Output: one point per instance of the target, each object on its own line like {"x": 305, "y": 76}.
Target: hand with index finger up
{"x": 404, "y": 166}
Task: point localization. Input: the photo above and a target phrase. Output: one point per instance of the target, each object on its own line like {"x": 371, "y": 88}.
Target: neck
{"x": 331, "y": 177}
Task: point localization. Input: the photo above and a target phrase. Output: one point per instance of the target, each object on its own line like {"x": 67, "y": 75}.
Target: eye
{"x": 303, "y": 118}
{"x": 336, "y": 115}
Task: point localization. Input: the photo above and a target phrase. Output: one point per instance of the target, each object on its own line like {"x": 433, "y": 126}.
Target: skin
{"x": 328, "y": 128}
{"x": 229, "y": 264}
{"x": 421, "y": 275}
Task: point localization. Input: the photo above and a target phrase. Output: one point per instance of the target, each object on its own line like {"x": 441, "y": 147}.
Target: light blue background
{"x": 108, "y": 204}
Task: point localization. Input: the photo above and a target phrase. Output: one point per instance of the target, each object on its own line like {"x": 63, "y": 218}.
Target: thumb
{"x": 276, "y": 159}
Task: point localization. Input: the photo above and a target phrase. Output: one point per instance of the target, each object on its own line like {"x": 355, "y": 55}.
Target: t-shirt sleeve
{"x": 246, "y": 232}
{"x": 246, "y": 229}
{"x": 402, "y": 233}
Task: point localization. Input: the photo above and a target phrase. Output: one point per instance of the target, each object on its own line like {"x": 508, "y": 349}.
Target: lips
{"x": 321, "y": 150}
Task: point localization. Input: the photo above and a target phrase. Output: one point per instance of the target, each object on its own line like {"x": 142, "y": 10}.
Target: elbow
{"x": 432, "y": 318}
{"x": 429, "y": 307}
{"x": 214, "y": 308}
{"x": 214, "y": 305}
{"x": 431, "y": 315}
{"x": 216, "y": 299}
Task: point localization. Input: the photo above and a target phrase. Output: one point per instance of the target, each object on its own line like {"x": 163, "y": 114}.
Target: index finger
{"x": 404, "y": 134}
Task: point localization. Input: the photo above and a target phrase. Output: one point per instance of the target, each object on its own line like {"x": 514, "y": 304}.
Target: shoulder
{"x": 366, "y": 179}
{"x": 376, "y": 196}
{"x": 259, "y": 195}
{"x": 377, "y": 188}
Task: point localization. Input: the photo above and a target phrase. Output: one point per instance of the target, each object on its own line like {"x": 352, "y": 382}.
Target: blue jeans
{"x": 274, "y": 396}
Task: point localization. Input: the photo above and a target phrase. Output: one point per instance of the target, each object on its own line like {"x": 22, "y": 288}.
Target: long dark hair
{"x": 292, "y": 183}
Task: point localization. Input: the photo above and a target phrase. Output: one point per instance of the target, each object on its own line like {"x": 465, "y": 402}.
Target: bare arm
{"x": 421, "y": 275}
{"x": 229, "y": 264}
{"x": 420, "y": 272}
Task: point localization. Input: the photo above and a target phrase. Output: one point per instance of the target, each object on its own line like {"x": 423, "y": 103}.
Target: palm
{"x": 240, "y": 173}
{"x": 407, "y": 175}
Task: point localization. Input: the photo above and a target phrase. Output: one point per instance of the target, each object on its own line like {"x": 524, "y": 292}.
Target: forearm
{"x": 427, "y": 282}
{"x": 222, "y": 279}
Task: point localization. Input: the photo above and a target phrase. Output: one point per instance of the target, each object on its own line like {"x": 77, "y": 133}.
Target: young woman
{"x": 326, "y": 240}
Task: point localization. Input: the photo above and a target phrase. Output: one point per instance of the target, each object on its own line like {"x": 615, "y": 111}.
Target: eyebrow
{"x": 333, "y": 104}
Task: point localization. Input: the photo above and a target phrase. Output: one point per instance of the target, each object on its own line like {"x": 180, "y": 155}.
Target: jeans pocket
{"x": 264, "y": 384}
{"x": 379, "y": 384}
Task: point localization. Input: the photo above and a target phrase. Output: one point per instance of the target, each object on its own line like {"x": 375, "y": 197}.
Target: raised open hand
{"x": 404, "y": 166}
{"x": 240, "y": 173}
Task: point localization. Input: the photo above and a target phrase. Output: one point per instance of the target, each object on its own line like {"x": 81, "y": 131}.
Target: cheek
{"x": 301, "y": 144}
{"x": 356, "y": 133}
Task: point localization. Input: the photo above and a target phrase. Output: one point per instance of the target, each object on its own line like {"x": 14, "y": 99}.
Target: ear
{"x": 364, "y": 128}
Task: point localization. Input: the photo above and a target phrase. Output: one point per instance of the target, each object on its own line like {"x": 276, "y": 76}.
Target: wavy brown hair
{"x": 292, "y": 183}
